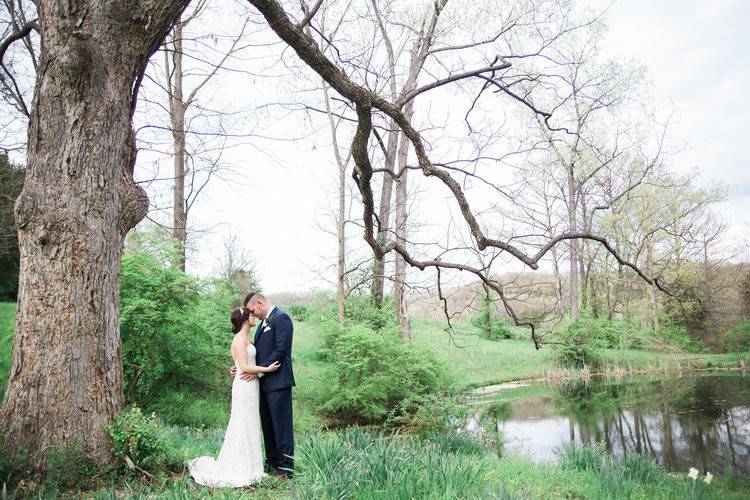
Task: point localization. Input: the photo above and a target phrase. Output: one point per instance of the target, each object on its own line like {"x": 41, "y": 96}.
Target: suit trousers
{"x": 278, "y": 435}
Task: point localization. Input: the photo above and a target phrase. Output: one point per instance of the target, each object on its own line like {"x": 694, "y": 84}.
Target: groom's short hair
{"x": 252, "y": 296}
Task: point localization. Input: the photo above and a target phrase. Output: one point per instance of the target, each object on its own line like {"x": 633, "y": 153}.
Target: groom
{"x": 273, "y": 342}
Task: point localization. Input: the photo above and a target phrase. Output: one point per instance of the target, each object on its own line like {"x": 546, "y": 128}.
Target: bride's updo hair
{"x": 239, "y": 316}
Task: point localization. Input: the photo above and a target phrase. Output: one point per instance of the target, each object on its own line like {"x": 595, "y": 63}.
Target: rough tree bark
{"x": 78, "y": 202}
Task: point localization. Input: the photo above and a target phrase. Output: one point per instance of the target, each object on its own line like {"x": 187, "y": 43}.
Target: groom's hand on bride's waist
{"x": 244, "y": 376}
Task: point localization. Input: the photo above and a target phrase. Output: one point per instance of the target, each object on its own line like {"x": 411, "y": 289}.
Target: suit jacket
{"x": 273, "y": 342}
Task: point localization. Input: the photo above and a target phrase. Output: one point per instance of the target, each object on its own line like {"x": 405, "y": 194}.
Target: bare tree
{"x": 182, "y": 98}
{"x": 238, "y": 267}
{"x": 19, "y": 33}
{"x": 366, "y": 101}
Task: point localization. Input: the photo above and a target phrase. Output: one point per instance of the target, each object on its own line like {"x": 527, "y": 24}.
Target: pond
{"x": 698, "y": 421}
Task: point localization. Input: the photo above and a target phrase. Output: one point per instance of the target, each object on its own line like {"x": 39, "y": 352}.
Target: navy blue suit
{"x": 273, "y": 342}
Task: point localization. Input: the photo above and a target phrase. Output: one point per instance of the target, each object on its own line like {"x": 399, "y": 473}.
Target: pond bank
{"x": 696, "y": 419}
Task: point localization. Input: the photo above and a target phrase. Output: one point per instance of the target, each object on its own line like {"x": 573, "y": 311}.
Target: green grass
{"x": 477, "y": 362}
{"x": 7, "y": 323}
{"x": 361, "y": 464}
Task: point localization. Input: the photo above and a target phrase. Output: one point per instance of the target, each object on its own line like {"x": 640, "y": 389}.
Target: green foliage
{"x": 688, "y": 308}
{"x": 11, "y": 182}
{"x": 678, "y": 336}
{"x": 642, "y": 469}
{"x": 615, "y": 477}
{"x": 298, "y": 312}
{"x": 738, "y": 338}
{"x": 745, "y": 293}
{"x": 430, "y": 414}
{"x": 491, "y": 327}
{"x": 579, "y": 344}
{"x": 361, "y": 310}
{"x": 582, "y": 457}
{"x": 68, "y": 467}
{"x": 138, "y": 437}
{"x": 374, "y": 373}
{"x": 175, "y": 329}
{"x": 494, "y": 329}
{"x": 361, "y": 465}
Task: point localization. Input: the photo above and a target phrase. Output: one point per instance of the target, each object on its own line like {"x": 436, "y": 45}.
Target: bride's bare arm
{"x": 239, "y": 352}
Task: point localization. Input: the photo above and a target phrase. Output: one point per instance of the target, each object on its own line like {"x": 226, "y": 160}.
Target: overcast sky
{"x": 697, "y": 58}
{"x": 697, "y": 61}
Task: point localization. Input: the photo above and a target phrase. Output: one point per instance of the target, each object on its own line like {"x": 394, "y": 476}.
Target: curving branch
{"x": 365, "y": 101}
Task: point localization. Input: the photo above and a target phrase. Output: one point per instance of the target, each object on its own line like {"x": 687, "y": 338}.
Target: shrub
{"x": 67, "y": 467}
{"x": 375, "y": 373}
{"x": 490, "y": 327}
{"x": 610, "y": 334}
{"x": 298, "y": 312}
{"x": 677, "y": 335}
{"x": 360, "y": 310}
{"x": 174, "y": 327}
{"x": 138, "y": 437}
{"x": 738, "y": 338}
{"x": 430, "y": 414}
{"x": 579, "y": 344}
{"x": 498, "y": 329}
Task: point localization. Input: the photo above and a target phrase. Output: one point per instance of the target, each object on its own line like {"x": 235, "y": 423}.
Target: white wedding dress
{"x": 240, "y": 461}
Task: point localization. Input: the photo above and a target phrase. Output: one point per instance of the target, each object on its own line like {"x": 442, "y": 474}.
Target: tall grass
{"x": 638, "y": 476}
{"x": 370, "y": 465}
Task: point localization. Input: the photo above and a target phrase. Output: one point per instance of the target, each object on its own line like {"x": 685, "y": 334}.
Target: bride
{"x": 240, "y": 461}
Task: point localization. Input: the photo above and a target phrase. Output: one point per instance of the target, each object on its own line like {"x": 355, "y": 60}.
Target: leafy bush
{"x": 430, "y": 414}
{"x": 138, "y": 437}
{"x": 361, "y": 310}
{"x": 579, "y": 344}
{"x": 611, "y": 334}
{"x": 738, "y": 338}
{"x": 678, "y": 336}
{"x": 67, "y": 467}
{"x": 298, "y": 312}
{"x": 374, "y": 374}
{"x": 490, "y": 327}
{"x": 175, "y": 328}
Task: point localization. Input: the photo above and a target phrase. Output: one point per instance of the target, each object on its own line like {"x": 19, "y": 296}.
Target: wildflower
{"x": 693, "y": 474}
{"x": 709, "y": 477}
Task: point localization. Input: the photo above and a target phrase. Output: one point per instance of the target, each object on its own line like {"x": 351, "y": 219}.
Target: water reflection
{"x": 680, "y": 422}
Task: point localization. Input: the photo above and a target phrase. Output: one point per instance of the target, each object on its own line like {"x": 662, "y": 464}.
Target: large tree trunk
{"x": 78, "y": 202}
{"x": 177, "y": 116}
